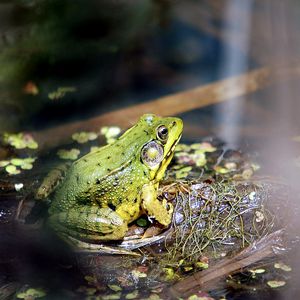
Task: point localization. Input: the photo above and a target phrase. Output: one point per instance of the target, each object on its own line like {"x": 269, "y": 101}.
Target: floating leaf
{"x": 257, "y": 271}
{"x": 18, "y": 186}
{"x": 83, "y": 136}
{"x": 276, "y": 283}
{"x": 169, "y": 274}
{"x": 110, "y": 133}
{"x": 4, "y": 163}
{"x": 183, "y": 172}
{"x": 31, "y": 294}
{"x": 20, "y": 140}
{"x": 204, "y": 147}
{"x": 202, "y": 265}
{"x": 114, "y": 287}
{"x": 221, "y": 170}
{"x": 68, "y": 154}
{"x": 11, "y": 169}
{"x": 26, "y": 166}
{"x": 182, "y": 148}
{"x": 282, "y": 266}
{"x": 199, "y": 158}
{"x": 132, "y": 295}
{"x": 61, "y": 92}
{"x": 138, "y": 274}
{"x": 17, "y": 161}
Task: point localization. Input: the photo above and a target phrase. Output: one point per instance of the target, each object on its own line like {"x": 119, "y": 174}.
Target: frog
{"x": 107, "y": 189}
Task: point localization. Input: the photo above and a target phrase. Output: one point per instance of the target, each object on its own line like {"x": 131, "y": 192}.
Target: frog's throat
{"x": 158, "y": 173}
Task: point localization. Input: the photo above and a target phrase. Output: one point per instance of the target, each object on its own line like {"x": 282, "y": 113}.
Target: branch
{"x": 170, "y": 105}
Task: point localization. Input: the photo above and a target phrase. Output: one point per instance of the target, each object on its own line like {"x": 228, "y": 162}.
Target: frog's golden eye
{"x": 152, "y": 154}
{"x": 162, "y": 133}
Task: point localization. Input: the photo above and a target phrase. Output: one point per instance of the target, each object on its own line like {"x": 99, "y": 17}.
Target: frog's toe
{"x": 81, "y": 246}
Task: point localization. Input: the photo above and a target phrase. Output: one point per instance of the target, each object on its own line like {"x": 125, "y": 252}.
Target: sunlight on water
{"x": 232, "y": 64}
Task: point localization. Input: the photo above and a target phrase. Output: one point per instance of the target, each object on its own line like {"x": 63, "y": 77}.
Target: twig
{"x": 203, "y": 280}
{"x": 172, "y": 104}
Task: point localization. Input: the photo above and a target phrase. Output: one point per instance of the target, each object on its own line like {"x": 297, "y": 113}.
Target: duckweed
{"x": 71, "y": 154}
{"x": 83, "y": 136}
{"x": 31, "y": 294}
{"x": 20, "y": 140}
{"x": 61, "y": 92}
{"x": 282, "y": 266}
{"x": 276, "y": 283}
{"x": 110, "y": 133}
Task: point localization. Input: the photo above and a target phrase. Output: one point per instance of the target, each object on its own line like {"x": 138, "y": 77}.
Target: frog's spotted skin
{"x": 105, "y": 190}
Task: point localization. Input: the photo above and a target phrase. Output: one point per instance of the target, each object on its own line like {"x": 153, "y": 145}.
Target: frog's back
{"x": 93, "y": 170}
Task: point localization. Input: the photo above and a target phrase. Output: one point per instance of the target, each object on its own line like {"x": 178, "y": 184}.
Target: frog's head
{"x": 160, "y": 138}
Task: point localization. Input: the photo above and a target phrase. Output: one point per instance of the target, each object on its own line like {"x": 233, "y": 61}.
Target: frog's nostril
{"x": 173, "y": 123}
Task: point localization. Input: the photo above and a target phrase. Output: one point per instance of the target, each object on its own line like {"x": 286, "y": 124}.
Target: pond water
{"x": 65, "y": 63}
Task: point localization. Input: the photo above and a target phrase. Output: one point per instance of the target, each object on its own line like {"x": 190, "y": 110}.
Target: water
{"x": 65, "y": 61}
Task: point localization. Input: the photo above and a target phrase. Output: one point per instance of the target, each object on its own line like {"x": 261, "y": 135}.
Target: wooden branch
{"x": 204, "y": 280}
{"x": 170, "y": 105}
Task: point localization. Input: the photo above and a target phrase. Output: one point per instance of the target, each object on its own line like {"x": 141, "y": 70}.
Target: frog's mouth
{"x": 168, "y": 157}
{"x": 172, "y": 148}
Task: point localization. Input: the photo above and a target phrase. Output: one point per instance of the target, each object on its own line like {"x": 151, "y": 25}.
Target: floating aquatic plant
{"x": 31, "y": 294}
{"x": 276, "y": 283}
{"x": 83, "y": 136}
{"x": 194, "y": 154}
{"x": 61, "y": 92}
{"x": 11, "y": 169}
{"x": 282, "y": 266}
{"x": 20, "y": 140}
{"x": 71, "y": 154}
{"x": 14, "y": 165}
{"x": 111, "y": 133}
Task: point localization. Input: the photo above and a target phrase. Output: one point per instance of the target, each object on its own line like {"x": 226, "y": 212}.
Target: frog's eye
{"x": 162, "y": 133}
{"x": 152, "y": 154}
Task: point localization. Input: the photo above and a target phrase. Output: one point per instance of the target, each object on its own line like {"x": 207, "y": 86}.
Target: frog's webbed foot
{"x": 124, "y": 248}
{"x": 85, "y": 247}
{"x": 89, "y": 223}
{"x": 132, "y": 244}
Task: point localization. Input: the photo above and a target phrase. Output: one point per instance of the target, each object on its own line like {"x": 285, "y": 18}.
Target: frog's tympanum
{"x": 105, "y": 190}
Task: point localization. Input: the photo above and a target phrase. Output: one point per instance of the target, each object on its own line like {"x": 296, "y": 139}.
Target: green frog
{"x": 107, "y": 189}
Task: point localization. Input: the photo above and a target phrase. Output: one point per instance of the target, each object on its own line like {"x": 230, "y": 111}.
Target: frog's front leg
{"x": 90, "y": 223}
{"x": 160, "y": 210}
{"x": 51, "y": 181}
